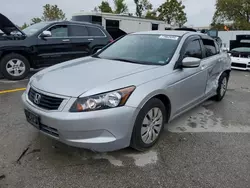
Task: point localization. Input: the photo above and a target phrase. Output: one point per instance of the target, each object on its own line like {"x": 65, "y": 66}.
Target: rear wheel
{"x": 14, "y": 66}
{"x": 222, "y": 87}
{"x": 149, "y": 125}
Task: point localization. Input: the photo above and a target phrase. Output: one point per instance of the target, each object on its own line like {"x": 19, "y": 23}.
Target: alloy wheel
{"x": 15, "y": 67}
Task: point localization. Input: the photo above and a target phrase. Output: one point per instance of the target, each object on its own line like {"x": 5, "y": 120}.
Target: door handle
{"x": 65, "y": 40}
{"x": 90, "y": 39}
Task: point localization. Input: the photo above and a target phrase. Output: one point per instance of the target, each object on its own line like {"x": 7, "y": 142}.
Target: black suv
{"x": 46, "y": 43}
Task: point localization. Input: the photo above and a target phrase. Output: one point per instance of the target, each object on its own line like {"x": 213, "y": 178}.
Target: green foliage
{"x": 24, "y": 26}
{"x": 52, "y": 12}
{"x": 120, "y": 7}
{"x": 35, "y": 20}
{"x": 151, "y": 15}
{"x": 172, "y": 11}
{"x": 142, "y": 6}
{"x": 237, "y": 12}
{"x": 105, "y": 7}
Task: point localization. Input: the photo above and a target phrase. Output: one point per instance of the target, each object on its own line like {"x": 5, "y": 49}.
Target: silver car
{"x": 124, "y": 94}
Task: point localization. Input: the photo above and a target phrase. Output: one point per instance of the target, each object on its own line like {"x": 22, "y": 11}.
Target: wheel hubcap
{"x": 223, "y": 87}
{"x": 15, "y": 67}
{"x": 151, "y": 125}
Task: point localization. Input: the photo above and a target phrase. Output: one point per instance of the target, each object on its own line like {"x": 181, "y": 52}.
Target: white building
{"x": 119, "y": 24}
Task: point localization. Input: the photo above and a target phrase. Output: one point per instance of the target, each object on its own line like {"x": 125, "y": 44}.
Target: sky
{"x": 199, "y": 12}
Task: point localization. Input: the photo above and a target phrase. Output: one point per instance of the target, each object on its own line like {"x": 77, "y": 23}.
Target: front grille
{"x": 239, "y": 65}
{"x": 49, "y": 130}
{"x": 240, "y": 54}
{"x": 44, "y": 101}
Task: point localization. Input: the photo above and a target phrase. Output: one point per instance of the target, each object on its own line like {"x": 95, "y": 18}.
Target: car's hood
{"x": 75, "y": 77}
{"x": 7, "y": 26}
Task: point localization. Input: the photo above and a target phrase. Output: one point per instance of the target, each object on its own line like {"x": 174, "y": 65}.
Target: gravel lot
{"x": 207, "y": 147}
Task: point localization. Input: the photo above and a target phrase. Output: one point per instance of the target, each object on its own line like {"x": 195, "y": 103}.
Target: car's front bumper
{"x": 103, "y": 130}
{"x": 240, "y": 63}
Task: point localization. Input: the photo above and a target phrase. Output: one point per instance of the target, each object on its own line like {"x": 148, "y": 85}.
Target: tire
{"x": 137, "y": 141}
{"x": 19, "y": 64}
{"x": 222, "y": 87}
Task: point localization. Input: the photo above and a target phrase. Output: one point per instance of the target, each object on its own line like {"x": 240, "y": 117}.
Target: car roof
{"x": 70, "y": 21}
{"x": 179, "y": 33}
{"x": 167, "y": 32}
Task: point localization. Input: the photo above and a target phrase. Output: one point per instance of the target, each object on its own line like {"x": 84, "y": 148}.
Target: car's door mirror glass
{"x": 46, "y": 34}
{"x": 191, "y": 62}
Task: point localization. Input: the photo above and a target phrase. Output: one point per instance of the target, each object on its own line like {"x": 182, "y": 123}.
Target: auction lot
{"x": 207, "y": 147}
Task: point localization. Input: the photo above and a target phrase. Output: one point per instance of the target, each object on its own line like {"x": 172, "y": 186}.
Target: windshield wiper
{"x": 125, "y": 60}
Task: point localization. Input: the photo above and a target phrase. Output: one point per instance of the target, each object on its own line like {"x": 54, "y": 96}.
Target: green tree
{"x": 172, "y": 12}
{"x": 52, "y": 12}
{"x": 120, "y": 7}
{"x": 237, "y": 12}
{"x": 142, "y": 6}
{"x": 105, "y": 7}
{"x": 24, "y": 26}
{"x": 35, "y": 20}
{"x": 151, "y": 15}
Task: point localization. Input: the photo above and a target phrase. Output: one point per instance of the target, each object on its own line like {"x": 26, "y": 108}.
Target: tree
{"x": 141, "y": 6}
{"x": 172, "y": 12}
{"x": 52, "y": 12}
{"x": 35, "y": 20}
{"x": 105, "y": 7}
{"x": 24, "y": 26}
{"x": 120, "y": 7}
{"x": 236, "y": 12}
{"x": 151, "y": 15}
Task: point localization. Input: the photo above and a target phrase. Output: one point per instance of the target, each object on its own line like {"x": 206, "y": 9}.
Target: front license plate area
{"x": 32, "y": 118}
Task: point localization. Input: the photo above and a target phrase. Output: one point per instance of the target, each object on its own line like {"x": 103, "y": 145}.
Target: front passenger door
{"x": 190, "y": 83}
{"x": 54, "y": 49}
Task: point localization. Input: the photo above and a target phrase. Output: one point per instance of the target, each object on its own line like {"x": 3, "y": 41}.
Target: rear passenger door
{"x": 211, "y": 63}
{"x": 98, "y": 38}
{"x": 80, "y": 41}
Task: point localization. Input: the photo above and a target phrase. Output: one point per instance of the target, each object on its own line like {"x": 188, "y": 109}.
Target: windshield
{"x": 144, "y": 49}
{"x": 34, "y": 28}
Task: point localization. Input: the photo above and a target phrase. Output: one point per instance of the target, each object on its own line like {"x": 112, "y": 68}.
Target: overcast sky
{"x": 199, "y": 12}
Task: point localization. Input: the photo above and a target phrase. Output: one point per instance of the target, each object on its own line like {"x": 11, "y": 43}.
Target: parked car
{"x": 124, "y": 94}
{"x": 46, "y": 43}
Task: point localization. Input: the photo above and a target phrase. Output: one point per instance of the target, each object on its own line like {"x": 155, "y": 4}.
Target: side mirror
{"x": 46, "y": 34}
{"x": 191, "y": 62}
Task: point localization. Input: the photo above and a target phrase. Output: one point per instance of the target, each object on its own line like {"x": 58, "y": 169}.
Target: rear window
{"x": 94, "y": 31}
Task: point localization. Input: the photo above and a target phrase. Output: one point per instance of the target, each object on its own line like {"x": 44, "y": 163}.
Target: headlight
{"x": 110, "y": 99}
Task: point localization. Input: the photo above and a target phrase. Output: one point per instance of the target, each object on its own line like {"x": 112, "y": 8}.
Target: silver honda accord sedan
{"x": 127, "y": 92}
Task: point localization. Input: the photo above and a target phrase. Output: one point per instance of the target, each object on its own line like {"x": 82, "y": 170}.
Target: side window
{"x": 193, "y": 49}
{"x": 59, "y": 31}
{"x": 78, "y": 31}
{"x": 210, "y": 48}
{"x": 95, "y": 32}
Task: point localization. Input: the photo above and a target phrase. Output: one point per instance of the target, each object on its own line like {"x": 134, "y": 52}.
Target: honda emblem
{"x": 37, "y": 98}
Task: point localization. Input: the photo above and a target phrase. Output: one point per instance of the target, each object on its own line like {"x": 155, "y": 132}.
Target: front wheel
{"x": 222, "y": 87}
{"x": 149, "y": 125}
{"x": 14, "y": 66}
